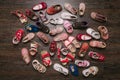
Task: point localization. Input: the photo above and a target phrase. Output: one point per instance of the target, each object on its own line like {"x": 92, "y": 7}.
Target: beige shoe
{"x": 81, "y": 9}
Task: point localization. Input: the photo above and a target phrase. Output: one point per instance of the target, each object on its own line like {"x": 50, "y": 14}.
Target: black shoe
{"x": 80, "y": 25}
{"x": 42, "y": 27}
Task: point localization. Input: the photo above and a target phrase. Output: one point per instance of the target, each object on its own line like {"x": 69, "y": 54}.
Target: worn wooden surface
{"x": 12, "y": 66}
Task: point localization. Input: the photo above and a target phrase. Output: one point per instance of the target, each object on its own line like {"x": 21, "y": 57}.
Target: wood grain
{"x": 12, "y": 66}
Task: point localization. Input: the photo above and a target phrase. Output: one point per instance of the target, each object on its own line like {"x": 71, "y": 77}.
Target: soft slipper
{"x": 30, "y": 14}
{"x": 56, "y": 21}
{"x": 81, "y": 9}
{"x": 32, "y": 28}
{"x": 28, "y": 37}
{"x": 74, "y": 41}
{"x": 93, "y": 33}
{"x": 104, "y": 32}
{"x": 33, "y": 48}
{"x": 82, "y": 63}
{"x": 43, "y": 17}
{"x": 20, "y": 15}
{"x": 98, "y": 17}
{"x": 96, "y": 56}
{"x": 97, "y": 44}
{"x": 18, "y": 36}
{"x": 64, "y": 51}
{"x": 54, "y": 9}
{"x": 25, "y": 55}
{"x": 43, "y": 27}
{"x": 80, "y": 25}
{"x": 73, "y": 69}
{"x": 43, "y": 37}
{"x": 91, "y": 70}
{"x": 46, "y": 58}
{"x": 80, "y": 37}
{"x": 53, "y": 48}
{"x": 70, "y": 46}
{"x": 68, "y": 26}
{"x": 40, "y": 6}
{"x": 56, "y": 30}
{"x": 83, "y": 49}
{"x": 38, "y": 66}
{"x": 61, "y": 37}
{"x": 60, "y": 69}
{"x": 69, "y": 16}
{"x": 70, "y": 8}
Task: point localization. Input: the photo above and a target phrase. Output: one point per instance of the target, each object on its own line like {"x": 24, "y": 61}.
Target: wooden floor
{"x": 12, "y": 66}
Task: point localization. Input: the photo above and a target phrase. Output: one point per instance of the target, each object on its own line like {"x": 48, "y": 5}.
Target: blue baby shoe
{"x": 73, "y": 69}
{"x": 32, "y": 28}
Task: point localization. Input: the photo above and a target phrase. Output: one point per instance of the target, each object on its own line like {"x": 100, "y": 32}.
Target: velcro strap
{"x": 64, "y": 60}
{"x": 58, "y": 53}
{"x": 45, "y": 55}
{"x": 70, "y": 55}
